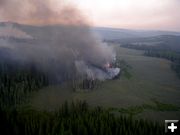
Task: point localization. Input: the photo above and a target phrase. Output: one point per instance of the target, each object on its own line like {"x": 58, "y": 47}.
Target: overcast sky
{"x": 135, "y": 14}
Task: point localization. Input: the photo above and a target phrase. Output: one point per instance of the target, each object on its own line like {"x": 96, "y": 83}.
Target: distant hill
{"x": 28, "y": 34}
{"x": 163, "y": 42}
{"x": 112, "y": 33}
{"x": 29, "y": 31}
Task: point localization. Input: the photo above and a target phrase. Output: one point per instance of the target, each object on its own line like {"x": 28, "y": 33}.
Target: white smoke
{"x": 94, "y": 72}
{"x": 113, "y": 72}
{"x": 9, "y": 31}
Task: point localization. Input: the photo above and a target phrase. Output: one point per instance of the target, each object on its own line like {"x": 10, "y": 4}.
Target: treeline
{"x": 170, "y": 55}
{"x": 17, "y": 81}
{"x": 73, "y": 119}
{"x": 160, "y": 52}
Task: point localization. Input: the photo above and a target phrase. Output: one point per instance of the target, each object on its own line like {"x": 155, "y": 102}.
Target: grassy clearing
{"x": 157, "y": 106}
{"x": 152, "y": 78}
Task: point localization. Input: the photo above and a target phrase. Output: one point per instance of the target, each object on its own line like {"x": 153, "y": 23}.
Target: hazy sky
{"x": 132, "y": 14}
{"x": 136, "y": 14}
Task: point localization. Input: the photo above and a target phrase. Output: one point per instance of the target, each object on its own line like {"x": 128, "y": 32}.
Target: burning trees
{"x": 88, "y": 76}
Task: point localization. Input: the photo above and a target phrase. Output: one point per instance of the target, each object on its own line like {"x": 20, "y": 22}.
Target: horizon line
{"x": 105, "y": 27}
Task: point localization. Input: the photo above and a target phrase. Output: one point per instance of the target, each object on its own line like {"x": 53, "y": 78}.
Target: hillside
{"x": 162, "y": 42}
{"x": 42, "y": 92}
{"x": 117, "y": 33}
{"x": 104, "y": 33}
{"x": 152, "y": 80}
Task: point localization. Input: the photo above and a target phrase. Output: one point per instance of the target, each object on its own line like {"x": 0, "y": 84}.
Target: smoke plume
{"x": 9, "y": 31}
{"x": 66, "y": 50}
{"x": 40, "y": 12}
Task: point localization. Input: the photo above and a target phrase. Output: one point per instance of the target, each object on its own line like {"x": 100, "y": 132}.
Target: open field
{"x": 152, "y": 80}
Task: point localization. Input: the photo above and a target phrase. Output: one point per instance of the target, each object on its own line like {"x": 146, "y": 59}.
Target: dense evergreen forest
{"x": 160, "y": 51}
{"x": 17, "y": 81}
{"x": 76, "y": 118}
{"x": 73, "y": 119}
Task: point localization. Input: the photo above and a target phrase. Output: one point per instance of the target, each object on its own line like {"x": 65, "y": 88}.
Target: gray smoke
{"x": 40, "y": 12}
{"x": 9, "y": 31}
{"x": 65, "y": 51}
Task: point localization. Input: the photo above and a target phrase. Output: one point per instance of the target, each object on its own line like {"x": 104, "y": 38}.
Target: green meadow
{"x": 151, "y": 91}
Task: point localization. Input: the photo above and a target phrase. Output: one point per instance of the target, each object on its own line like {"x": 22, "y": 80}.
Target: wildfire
{"x": 108, "y": 65}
